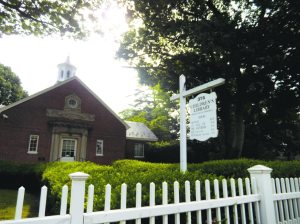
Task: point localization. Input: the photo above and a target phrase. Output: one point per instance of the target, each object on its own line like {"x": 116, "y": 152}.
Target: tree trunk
{"x": 232, "y": 117}
{"x": 227, "y": 117}
{"x": 240, "y": 133}
{"x": 232, "y": 109}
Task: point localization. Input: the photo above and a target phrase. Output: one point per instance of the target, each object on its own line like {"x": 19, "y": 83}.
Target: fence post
{"x": 77, "y": 197}
{"x": 262, "y": 175}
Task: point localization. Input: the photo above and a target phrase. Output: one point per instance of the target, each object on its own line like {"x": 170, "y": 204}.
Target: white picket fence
{"x": 260, "y": 200}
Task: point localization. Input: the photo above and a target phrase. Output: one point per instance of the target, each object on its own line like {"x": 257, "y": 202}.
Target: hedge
{"x": 127, "y": 171}
{"x": 56, "y": 174}
{"x": 238, "y": 168}
{"x": 15, "y": 175}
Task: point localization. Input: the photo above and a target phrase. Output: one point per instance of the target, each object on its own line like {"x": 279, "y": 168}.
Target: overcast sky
{"x": 35, "y": 60}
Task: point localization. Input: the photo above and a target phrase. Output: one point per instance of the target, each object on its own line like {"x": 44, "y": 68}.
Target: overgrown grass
{"x": 8, "y": 199}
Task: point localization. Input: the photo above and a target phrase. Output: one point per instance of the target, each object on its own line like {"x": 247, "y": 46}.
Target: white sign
{"x": 203, "y": 120}
{"x": 183, "y": 94}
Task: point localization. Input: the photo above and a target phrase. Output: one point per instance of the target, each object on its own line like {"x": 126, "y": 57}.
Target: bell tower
{"x": 65, "y": 70}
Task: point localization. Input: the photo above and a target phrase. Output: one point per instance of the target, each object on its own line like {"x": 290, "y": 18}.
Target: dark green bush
{"x": 284, "y": 168}
{"x": 238, "y": 167}
{"x": 228, "y": 168}
{"x": 16, "y": 175}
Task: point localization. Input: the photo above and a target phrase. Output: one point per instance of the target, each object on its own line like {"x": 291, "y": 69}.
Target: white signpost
{"x": 183, "y": 94}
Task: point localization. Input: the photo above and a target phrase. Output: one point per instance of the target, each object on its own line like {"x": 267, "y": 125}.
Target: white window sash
{"x": 31, "y": 139}
{"x": 99, "y": 151}
{"x": 139, "y": 150}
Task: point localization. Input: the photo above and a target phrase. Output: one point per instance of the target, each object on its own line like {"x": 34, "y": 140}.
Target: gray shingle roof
{"x": 139, "y": 131}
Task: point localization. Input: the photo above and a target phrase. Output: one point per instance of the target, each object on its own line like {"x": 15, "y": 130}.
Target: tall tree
{"x": 46, "y": 17}
{"x": 254, "y": 45}
{"x": 10, "y": 86}
{"x": 156, "y": 111}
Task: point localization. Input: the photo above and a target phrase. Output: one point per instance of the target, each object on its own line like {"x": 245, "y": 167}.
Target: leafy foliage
{"x": 252, "y": 44}
{"x": 157, "y": 112}
{"x": 43, "y": 18}
{"x": 56, "y": 175}
{"x": 126, "y": 171}
{"x": 10, "y": 86}
{"x": 131, "y": 172}
{"x": 27, "y": 175}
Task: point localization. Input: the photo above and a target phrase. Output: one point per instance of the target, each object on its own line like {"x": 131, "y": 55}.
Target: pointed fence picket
{"x": 259, "y": 200}
{"x": 20, "y": 201}
{"x": 219, "y": 207}
{"x": 62, "y": 218}
{"x": 165, "y": 199}
{"x": 286, "y": 200}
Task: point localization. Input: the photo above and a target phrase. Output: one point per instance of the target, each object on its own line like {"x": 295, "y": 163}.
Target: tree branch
{"x": 215, "y": 11}
{"x": 24, "y": 14}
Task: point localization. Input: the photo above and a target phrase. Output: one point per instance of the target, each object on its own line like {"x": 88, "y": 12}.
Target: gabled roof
{"x": 2, "y": 109}
{"x": 139, "y": 131}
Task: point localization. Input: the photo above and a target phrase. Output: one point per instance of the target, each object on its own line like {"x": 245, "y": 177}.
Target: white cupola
{"x": 65, "y": 70}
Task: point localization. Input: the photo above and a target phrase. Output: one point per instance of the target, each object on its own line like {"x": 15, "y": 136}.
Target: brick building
{"x": 68, "y": 122}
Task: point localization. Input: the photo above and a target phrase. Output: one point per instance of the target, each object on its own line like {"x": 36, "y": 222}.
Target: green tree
{"x": 10, "y": 86}
{"x": 46, "y": 17}
{"x": 156, "y": 111}
{"x": 254, "y": 45}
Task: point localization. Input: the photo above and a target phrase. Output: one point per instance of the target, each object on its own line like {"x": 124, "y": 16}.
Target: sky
{"x": 34, "y": 60}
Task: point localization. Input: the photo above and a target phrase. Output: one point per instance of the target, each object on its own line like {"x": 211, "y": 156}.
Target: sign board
{"x": 196, "y": 126}
{"x": 203, "y": 116}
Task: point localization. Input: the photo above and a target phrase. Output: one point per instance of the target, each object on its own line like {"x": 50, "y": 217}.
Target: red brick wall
{"x": 30, "y": 118}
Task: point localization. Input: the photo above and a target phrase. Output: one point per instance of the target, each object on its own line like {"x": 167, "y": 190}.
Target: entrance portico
{"x": 68, "y": 143}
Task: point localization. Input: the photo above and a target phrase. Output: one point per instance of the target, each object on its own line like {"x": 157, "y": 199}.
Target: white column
{"x": 262, "y": 175}
{"x": 77, "y": 197}
{"x": 183, "y": 144}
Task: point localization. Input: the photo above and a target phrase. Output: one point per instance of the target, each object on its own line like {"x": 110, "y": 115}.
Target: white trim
{"x": 37, "y": 144}
{"x": 60, "y": 84}
{"x": 102, "y": 148}
{"x": 104, "y": 104}
{"x": 142, "y": 139}
{"x": 65, "y": 158}
{"x": 35, "y": 95}
{"x": 32, "y": 153}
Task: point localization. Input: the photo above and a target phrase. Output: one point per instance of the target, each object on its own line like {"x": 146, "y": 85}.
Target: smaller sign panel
{"x": 203, "y": 117}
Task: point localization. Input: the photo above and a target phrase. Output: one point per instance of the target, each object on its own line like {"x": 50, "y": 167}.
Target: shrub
{"x": 228, "y": 168}
{"x": 17, "y": 175}
{"x": 238, "y": 167}
{"x": 126, "y": 171}
{"x": 56, "y": 174}
{"x": 285, "y": 168}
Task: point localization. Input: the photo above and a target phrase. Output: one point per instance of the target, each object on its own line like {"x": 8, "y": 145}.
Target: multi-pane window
{"x": 138, "y": 150}
{"x": 33, "y": 144}
{"x": 68, "y": 148}
{"x": 99, "y": 147}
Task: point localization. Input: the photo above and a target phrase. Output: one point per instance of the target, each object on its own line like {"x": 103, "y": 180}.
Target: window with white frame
{"x": 139, "y": 150}
{"x": 99, "y": 147}
{"x": 33, "y": 144}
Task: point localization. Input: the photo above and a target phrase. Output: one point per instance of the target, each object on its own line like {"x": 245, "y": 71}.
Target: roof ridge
{"x": 60, "y": 84}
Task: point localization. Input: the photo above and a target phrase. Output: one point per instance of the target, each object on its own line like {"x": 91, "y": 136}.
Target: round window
{"x": 72, "y": 103}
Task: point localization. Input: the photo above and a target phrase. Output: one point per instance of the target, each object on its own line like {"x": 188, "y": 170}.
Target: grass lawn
{"x": 8, "y": 199}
